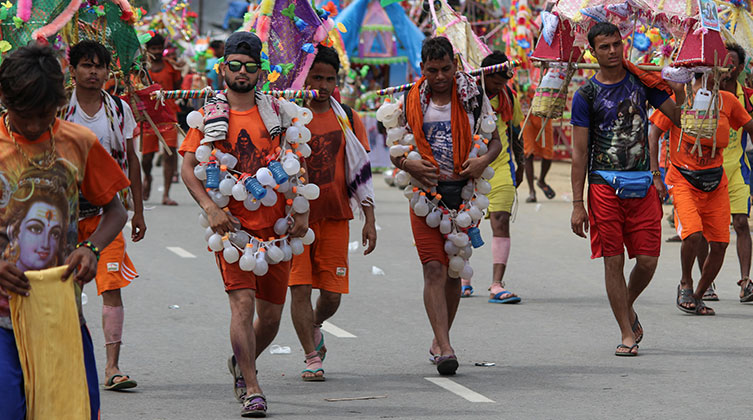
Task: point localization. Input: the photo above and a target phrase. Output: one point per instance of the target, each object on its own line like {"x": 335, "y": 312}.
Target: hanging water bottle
{"x": 213, "y": 175}
{"x": 278, "y": 172}
{"x": 255, "y": 188}
{"x": 474, "y": 234}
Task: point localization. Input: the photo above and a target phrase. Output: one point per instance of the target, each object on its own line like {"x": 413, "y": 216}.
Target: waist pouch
{"x": 706, "y": 180}
{"x": 628, "y": 184}
{"x": 451, "y": 193}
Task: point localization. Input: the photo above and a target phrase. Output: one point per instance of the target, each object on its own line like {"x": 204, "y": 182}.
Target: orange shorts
{"x": 271, "y": 287}
{"x": 531, "y": 146}
{"x": 324, "y": 264}
{"x": 698, "y": 211}
{"x": 429, "y": 241}
{"x": 150, "y": 142}
{"x": 115, "y": 269}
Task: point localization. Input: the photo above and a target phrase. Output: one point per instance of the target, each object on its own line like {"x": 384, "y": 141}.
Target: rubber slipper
{"x": 311, "y": 367}
{"x": 628, "y": 353}
{"x": 111, "y": 385}
{"x": 447, "y": 365}
{"x": 637, "y": 326}
{"x": 498, "y": 298}
{"x": 254, "y": 405}
{"x": 548, "y": 191}
{"x": 463, "y": 289}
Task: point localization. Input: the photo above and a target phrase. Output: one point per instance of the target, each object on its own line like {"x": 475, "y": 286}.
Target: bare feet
{"x": 167, "y": 201}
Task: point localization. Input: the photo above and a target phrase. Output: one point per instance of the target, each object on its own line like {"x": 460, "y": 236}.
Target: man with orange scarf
{"x": 441, "y": 111}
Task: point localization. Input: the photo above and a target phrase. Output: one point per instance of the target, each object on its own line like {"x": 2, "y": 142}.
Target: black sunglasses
{"x": 235, "y": 65}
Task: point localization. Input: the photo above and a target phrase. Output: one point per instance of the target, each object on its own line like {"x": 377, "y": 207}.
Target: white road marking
{"x": 459, "y": 390}
{"x": 180, "y": 252}
{"x": 336, "y": 331}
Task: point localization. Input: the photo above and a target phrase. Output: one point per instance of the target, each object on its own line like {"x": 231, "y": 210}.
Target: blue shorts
{"x": 12, "y": 398}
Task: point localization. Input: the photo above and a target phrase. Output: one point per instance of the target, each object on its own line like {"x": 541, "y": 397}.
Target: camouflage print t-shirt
{"x": 617, "y": 120}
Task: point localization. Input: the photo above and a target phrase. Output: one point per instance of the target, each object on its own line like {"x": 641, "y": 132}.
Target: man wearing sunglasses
{"x": 254, "y": 124}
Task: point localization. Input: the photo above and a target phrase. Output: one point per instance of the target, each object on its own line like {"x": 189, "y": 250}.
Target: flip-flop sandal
{"x": 710, "y": 294}
{"x": 498, "y": 297}
{"x": 637, "y": 326}
{"x": 699, "y": 308}
{"x": 628, "y": 353}
{"x": 685, "y": 296}
{"x": 531, "y": 199}
{"x": 432, "y": 357}
{"x": 548, "y": 191}
{"x": 239, "y": 384}
{"x": 747, "y": 291}
{"x": 111, "y": 385}
{"x": 312, "y": 362}
{"x": 255, "y": 405}
{"x": 464, "y": 289}
{"x": 447, "y": 365}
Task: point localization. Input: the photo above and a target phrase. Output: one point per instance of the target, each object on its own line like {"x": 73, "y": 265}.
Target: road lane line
{"x": 459, "y": 390}
{"x": 180, "y": 252}
{"x": 336, "y": 331}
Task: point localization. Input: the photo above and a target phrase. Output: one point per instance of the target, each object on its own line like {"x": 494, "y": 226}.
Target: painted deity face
{"x": 39, "y": 236}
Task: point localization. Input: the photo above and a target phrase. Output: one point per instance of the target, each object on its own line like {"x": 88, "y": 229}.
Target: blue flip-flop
{"x": 464, "y": 288}
{"x": 511, "y": 299}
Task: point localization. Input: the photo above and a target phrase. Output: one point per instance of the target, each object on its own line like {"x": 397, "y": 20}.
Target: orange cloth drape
{"x": 461, "y": 127}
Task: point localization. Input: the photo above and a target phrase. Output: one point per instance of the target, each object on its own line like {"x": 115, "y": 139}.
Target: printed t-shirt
{"x": 735, "y": 158}
{"x": 249, "y": 141}
{"x": 618, "y": 124}
{"x": 437, "y": 128}
{"x": 39, "y": 209}
{"x": 732, "y": 115}
{"x": 503, "y": 162}
{"x": 326, "y": 165}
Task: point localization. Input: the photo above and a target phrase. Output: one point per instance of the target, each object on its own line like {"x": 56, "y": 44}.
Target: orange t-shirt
{"x": 249, "y": 141}
{"x": 326, "y": 165}
{"x": 169, "y": 79}
{"x": 39, "y": 208}
{"x": 731, "y": 115}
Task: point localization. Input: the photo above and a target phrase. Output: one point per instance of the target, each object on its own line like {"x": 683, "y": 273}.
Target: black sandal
{"x": 747, "y": 290}
{"x": 700, "y": 307}
{"x": 637, "y": 326}
{"x": 685, "y": 296}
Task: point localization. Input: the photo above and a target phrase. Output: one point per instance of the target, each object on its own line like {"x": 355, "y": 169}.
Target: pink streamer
{"x": 41, "y": 34}
{"x": 301, "y": 78}
{"x": 24, "y": 10}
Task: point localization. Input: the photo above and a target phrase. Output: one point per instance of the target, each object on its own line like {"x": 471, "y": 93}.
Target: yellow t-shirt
{"x": 734, "y": 154}
{"x": 502, "y": 163}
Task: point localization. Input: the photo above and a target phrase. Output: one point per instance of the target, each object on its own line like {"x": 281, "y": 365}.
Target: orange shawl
{"x": 648, "y": 78}
{"x": 461, "y": 127}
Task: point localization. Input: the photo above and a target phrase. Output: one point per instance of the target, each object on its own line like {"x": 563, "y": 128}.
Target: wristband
{"x": 656, "y": 173}
{"x": 91, "y": 246}
{"x": 578, "y": 201}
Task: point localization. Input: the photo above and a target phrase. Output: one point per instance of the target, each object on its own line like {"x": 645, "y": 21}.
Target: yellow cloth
{"x": 502, "y": 195}
{"x": 48, "y": 337}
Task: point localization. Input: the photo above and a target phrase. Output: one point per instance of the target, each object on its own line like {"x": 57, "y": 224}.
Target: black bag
{"x": 706, "y": 180}
{"x": 451, "y": 193}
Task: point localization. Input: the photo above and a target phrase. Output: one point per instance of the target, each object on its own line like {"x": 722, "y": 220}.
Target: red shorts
{"x": 324, "y": 264}
{"x": 271, "y": 287}
{"x": 429, "y": 241}
{"x": 699, "y": 211}
{"x": 150, "y": 142}
{"x": 616, "y": 223}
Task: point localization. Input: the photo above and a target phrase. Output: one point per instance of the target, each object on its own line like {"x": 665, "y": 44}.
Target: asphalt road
{"x": 553, "y": 353}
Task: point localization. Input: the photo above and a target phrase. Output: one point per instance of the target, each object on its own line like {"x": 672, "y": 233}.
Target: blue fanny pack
{"x": 628, "y": 184}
